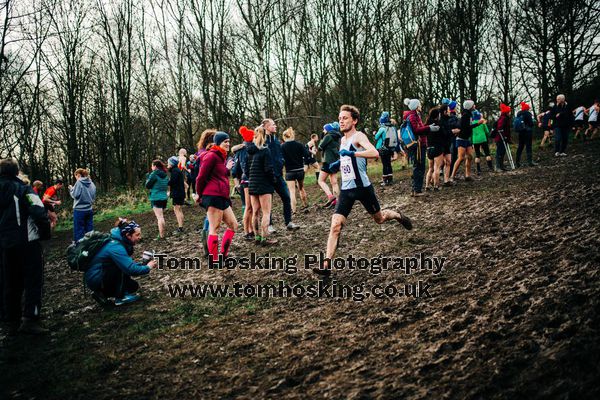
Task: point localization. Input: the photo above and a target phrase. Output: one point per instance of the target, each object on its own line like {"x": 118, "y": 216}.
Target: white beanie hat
{"x": 414, "y": 104}
{"x": 468, "y": 104}
{"x": 406, "y": 101}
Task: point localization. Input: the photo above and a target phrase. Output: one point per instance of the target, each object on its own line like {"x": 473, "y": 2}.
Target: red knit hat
{"x": 247, "y": 134}
{"x": 504, "y": 108}
{"x": 524, "y": 106}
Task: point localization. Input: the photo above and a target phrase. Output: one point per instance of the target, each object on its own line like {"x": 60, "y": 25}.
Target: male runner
{"x": 355, "y": 149}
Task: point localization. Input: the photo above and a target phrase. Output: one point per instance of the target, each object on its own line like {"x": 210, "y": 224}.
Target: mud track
{"x": 515, "y": 313}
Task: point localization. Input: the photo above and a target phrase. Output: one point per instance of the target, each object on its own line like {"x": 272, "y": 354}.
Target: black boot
{"x": 478, "y": 168}
{"x": 490, "y": 165}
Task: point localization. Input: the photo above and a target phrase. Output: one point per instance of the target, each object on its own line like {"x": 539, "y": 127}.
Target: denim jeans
{"x": 417, "y": 156}
{"x": 282, "y": 190}
{"x": 83, "y": 222}
{"x": 561, "y": 139}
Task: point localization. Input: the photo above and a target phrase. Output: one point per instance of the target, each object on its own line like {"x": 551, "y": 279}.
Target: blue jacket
{"x": 84, "y": 194}
{"x": 118, "y": 252}
{"x": 276, "y": 154}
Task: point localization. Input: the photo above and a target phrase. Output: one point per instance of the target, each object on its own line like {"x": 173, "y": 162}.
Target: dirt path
{"x": 515, "y": 313}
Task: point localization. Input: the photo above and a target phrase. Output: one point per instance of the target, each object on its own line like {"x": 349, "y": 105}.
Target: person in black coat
{"x": 23, "y": 224}
{"x": 294, "y": 156}
{"x": 261, "y": 186}
{"x": 177, "y": 188}
{"x": 563, "y": 121}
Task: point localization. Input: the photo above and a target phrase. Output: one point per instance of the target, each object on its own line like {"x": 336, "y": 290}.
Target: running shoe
{"x": 249, "y": 236}
{"x": 563, "y": 154}
{"x": 268, "y": 242}
{"x": 469, "y": 178}
{"x": 405, "y": 222}
{"x": 128, "y": 298}
{"x": 292, "y": 226}
{"x": 449, "y": 183}
{"x": 272, "y": 229}
{"x": 330, "y": 200}
{"x": 332, "y": 205}
{"x": 557, "y": 154}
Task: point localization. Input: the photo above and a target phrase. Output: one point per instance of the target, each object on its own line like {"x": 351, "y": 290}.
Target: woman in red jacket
{"x": 212, "y": 187}
{"x": 504, "y": 130}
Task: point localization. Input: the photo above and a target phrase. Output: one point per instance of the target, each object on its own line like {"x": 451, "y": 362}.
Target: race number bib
{"x": 347, "y": 169}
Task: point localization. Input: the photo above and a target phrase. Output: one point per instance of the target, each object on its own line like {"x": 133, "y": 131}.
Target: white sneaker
{"x": 271, "y": 229}
{"x": 292, "y": 226}
{"x": 557, "y": 154}
{"x": 563, "y": 154}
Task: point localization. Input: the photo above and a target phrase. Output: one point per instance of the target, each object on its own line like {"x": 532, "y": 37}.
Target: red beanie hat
{"x": 524, "y": 106}
{"x": 504, "y": 108}
{"x": 247, "y": 134}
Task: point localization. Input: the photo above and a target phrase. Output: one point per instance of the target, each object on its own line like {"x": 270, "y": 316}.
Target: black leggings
{"x": 479, "y": 146}
{"x": 386, "y": 162}
{"x": 115, "y": 283}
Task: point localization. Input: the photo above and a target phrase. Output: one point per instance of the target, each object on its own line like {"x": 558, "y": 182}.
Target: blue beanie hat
{"x": 333, "y": 126}
{"x": 452, "y": 105}
{"x": 173, "y": 161}
{"x": 476, "y": 115}
{"x": 220, "y": 137}
{"x": 385, "y": 118}
{"x": 445, "y": 101}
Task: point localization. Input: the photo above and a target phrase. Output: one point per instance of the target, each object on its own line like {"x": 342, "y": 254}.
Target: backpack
{"x": 391, "y": 137}
{"x": 518, "y": 123}
{"x": 81, "y": 253}
{"x": 407, "y": 134}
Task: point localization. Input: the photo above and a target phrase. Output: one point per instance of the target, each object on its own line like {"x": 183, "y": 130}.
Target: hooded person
{"x": 525, "y": 134}
{"x": 386, "y": 143}
{"x": 84, "y": 195}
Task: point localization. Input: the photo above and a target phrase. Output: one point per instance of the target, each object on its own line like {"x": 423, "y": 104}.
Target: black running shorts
{"x": 219, "y": 202}
{"x": 365, "y": 195}
{"x": 295, "y": 176}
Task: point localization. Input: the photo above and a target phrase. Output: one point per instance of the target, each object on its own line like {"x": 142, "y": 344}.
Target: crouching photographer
{"x": 111, "y": 269}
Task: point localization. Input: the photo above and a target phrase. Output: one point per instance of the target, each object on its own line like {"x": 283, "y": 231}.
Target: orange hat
{"x": 247, "y": 134}
{"x": 504, "y": 108}
{"x": 524, "y": 106}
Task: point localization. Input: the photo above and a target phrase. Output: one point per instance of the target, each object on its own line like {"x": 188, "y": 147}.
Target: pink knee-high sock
{"x": 227, "y": 238}
{"x": 213, "y": 247}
